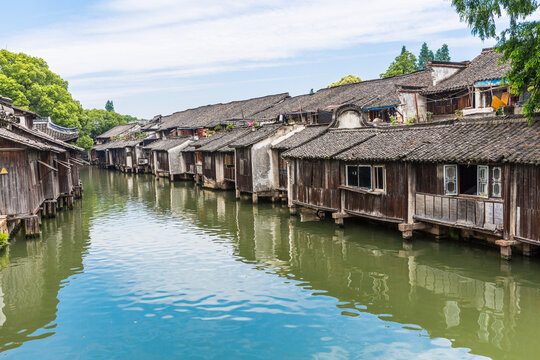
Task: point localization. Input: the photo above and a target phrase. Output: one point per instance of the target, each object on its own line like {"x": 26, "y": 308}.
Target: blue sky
{"x": 160, "y": 56}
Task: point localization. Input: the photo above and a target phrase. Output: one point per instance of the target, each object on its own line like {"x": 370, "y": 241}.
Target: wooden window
{"x": 379, "y": 178}
{"x": 198, "y": 157}
{"x": 496, "y": 187}
{"x": 450, "y": 179}
{"x": 359, "y": 176}
{"x": 483, "y": 181}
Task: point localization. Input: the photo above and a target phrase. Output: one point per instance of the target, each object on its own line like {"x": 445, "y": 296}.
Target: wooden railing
{"x": 466, "y": 212}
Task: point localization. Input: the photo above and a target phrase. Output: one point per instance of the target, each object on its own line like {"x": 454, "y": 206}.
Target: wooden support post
{"x": 527, "y": 249}
{"x": 69, "y": 202}
{"x": 49, "y": 208}
{"x": 293, "y": 210}
{"x": 237, "y": 194}
{"x": 506, "y": 248}
{"x": 171, "y": 177}
{"x": 339, "y": 218}
{"x": 31, "y": 226}
{"x": 408, "y": 228}
{"x": 61, "y": 203}
{"x": 255, "y": 198}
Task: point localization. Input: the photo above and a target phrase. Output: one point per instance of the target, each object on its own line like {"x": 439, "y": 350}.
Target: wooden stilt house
{"x": 292, "y": 141}
{"x": 314, "y": 177}
{"x": 166, "y": 160}
{"x": 482, "y": 177}
{"x": 257, "y": 166}
{"x": 218, "y": 159}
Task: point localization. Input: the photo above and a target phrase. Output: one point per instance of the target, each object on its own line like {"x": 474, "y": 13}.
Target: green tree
{"x": 403, "y": 64}
{"x": 443, "y": 54}
{"x": 519, "y": 43}
{"x": 349, "y": 79}
{"x": 85, "y": 142}
{"x": 109, "y": 106}
{"x": 424, "y": 56}
{"x": 30, "y": 83}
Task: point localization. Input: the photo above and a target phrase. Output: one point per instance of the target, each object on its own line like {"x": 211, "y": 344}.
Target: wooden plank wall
{"x": 244, "y": 181}
{"x": 64, "y": 175}
{"x": 478, "y": 213}
{"x": 163, "y": 160}
{"x": 20, "y": 189}
{"x": 282, "y": 172}
{"x": 391, "y": 204}
{"x": 528, "y": 202}
{"x": 429, "y": 178}
{"x": 209, "y": 171}
{"x": 316, "y": 182}
{"x": 228, "y": 166}
{"x": 189, "y": 158}
{"x": 49, "y": 177}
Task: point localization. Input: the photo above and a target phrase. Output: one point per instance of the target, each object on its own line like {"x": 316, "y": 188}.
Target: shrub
{"x": 4, "y": 238}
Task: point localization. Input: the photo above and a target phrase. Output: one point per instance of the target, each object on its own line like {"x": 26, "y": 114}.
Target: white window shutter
{"x": 483, "y": 180}
{"x": 450, "y": 179}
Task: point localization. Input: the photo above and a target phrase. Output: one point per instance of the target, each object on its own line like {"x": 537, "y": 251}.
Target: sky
{"x": 161, "y": 56}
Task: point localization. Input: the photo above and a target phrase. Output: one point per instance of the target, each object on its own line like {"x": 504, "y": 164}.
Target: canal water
{"x": 146, "y": 269}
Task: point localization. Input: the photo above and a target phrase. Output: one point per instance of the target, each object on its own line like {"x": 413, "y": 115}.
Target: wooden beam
{"x": 47, "y": 165}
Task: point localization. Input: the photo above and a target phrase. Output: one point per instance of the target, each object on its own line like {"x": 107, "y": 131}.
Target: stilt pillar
{"x": 506, "y": 248}
{"x": 293, "y": 210}
{"x": 31, "y": 226}
{"x": 255, "y": 198}
{"x": 237, "y": 194}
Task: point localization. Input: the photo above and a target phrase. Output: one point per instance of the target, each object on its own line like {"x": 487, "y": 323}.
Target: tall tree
{"x": 519, "y": 43}
{"x": 424, "y": 56}
{"x": 349, "y": 79}
{"x": 402, "y": 64}
{"x": 109, "y": 106}
{"x": 30, "y": 83}
{"x": 443, "y": 54}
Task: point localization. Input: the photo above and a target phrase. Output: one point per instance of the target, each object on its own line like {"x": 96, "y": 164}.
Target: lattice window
{"x": 450, "y": 179}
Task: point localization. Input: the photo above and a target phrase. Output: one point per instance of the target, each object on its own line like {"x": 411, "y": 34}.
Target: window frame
{"x": 484, "y": 194}
{"x": 372, "y": 175}
{"x": 446, "y": 181}
{"x": 496, "y": 181}
{"x": 374, "y": 180}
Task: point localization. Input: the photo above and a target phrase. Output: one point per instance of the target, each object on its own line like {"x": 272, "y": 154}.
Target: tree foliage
{"x": 424, "y": 56}
{"x": 85, "y": 142}
{"x": 519, "y": 43}
{"x": 30, "y": 83}
{"x": 349, "y": 79}
{"x": 403, "y": 64}
{"x": 443, "y": 54}
{"x": 109, "y": 106}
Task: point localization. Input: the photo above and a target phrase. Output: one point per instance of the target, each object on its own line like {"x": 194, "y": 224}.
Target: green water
{"x": 146, "y": 269}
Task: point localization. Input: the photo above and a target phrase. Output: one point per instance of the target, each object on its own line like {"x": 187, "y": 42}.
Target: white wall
{"x": 442, "y": 72}
{"x": 408, "y": 105}
{"x": 265, "y": 163}
{"x": 349, "y": 120}
{"x": 176, "y": 160}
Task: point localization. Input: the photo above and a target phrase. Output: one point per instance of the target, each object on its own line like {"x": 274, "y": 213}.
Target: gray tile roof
{"x": 257, "y": 134}
{"x": 45, "y": 125}
{"x": 222, "y": 141}
{"x": 31, "y": 143}
{"x": 484, "y": 67}
{"x": 366, "y": 94}
{"x": 330, "y": 143}
{"x": 167, "y": 144}
{"x": 395, "y": 142}
{"x": 493, "y": 140}
{"x": 213, "y": 115}
{"x": 300, "y": 137}
{"x": 120, "y": 130}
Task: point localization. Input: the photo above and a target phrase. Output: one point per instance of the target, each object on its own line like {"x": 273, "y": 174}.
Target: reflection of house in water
{"x": 433, "y": 286}
{"x": 35, "y": 275}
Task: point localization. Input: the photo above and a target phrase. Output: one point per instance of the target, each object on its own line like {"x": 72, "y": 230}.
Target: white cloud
{"x": 141, "y": 39}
